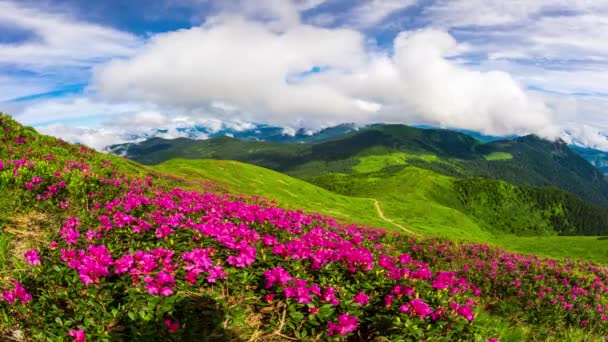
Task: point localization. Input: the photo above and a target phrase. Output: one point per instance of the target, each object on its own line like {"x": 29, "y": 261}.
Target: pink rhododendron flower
{"x": 32, "y": 257}
{"x": 78, "y": 335}
{"x": 269, "y": 240}
{"x": 70, "y": 235}
{"x": 17, "y": 293}
{"x": 421, "y": 308}
{"x": 439, "y": 312}
{"x": 245, "y": 258}
{"x": 269, "y": 298}
{"x": 401, "y": 290}
{"x": 277, "y": 275}
{"x": 346, "y": 324}
{"x": 405, "y": 258}
{"x": 198, "y": 261}
{"x": 388, "y": 300}
{"x": 329, "y": 295}
{"x": 361, "y": 298}
{"x": 466, "y": 312}
{"x": 171, "y": 326}
{"x": 29, "y": 186}
{"x": 161, "y": 285}
{"x": 91, "y": 264}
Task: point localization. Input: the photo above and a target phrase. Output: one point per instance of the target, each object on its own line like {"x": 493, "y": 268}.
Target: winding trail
{"x": 381, "y": 214}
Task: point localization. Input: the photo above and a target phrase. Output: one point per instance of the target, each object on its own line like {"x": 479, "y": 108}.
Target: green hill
{"x": 420, "y": 200}
{"x": 289, "y": 192}
{"x": 494, "y": 206}
{"x": 419, "y": 209}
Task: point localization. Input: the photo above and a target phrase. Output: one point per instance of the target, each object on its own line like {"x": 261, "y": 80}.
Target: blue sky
{"x": 101, "y": 72}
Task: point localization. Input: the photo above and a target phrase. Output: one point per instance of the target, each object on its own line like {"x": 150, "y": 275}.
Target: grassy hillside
{"x": 493, "y": 205}
{"x": 528, "y": 161}
{"x": 103, "y": 249}
{"x": 418, "y": 199}
{"x": 424, "y": 208}
{"x": 289, "y": 192}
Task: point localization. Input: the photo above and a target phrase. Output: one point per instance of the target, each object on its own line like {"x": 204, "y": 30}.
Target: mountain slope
{"x": 418, "y": 210}
{"x": 538, "y": 162}
{"x": 419, "y": 198}
{"x": 289, "y": 192}
{"x": 528, "y": 161}
{"x": 424, "y": 202}
{"x": 597, "y": 158}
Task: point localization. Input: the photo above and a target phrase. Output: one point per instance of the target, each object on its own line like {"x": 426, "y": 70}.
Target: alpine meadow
{"x": 303, "y": 170}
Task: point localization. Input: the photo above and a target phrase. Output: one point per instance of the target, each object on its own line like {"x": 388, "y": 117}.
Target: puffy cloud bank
{"x": 312, "y": 76}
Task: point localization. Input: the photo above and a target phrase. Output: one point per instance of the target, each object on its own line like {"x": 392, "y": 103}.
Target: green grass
{"x": 418, "y": 199}
{"x": 5, "y": 251}
{"x": 593, "y": 248}
{"x": 499, "y": 327}
{"x": 498, "y": 156}
{"x": 5, "y": 239}
{"x": 378, "y": 162}
{"x": 287, "y": 191}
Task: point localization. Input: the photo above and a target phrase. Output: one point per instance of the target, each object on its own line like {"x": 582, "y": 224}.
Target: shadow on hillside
{"x": 201, "y": 319}
{"x": 601, "y": 238}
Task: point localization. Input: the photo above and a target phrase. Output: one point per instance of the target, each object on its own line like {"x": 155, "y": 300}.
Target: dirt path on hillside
{"x": 381, "y": 214}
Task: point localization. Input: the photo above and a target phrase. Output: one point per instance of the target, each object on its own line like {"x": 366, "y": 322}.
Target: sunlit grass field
{"x": 418, "y": 199}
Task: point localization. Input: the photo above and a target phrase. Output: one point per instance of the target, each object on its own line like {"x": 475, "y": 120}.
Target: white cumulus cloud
{"x": 240, "y": 62}
{"x": 250, "y": 67}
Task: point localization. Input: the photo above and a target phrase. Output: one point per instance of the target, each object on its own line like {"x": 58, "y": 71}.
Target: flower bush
{"x": 131, "y": 256}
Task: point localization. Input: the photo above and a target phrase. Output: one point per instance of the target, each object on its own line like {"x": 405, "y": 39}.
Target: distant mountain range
{"x": 597, "y": 158}
{"x": 527, "y": 161}
{"x": 261, "y": 132}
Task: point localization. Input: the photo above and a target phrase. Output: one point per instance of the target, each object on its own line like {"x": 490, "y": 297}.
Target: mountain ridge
{"x": 528, "y": 160}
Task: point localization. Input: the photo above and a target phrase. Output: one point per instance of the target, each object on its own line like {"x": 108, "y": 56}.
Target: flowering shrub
{"x": 132, "y": 257}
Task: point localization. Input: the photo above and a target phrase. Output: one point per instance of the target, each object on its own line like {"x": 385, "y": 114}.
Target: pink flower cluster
{"x": 17, "y": 293}
{"x": 32, "y": 256}
{"x": 346, "y": 324}
{"x": 198, "y": 261}
{"x": 277, "y": 275}
{"x": 92, "y": 264}
{"x": 171, "y": 326}
{"x": 156, "y": 268}
{"x": 69, "y": 231}
{"x": 77, "y": 335}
